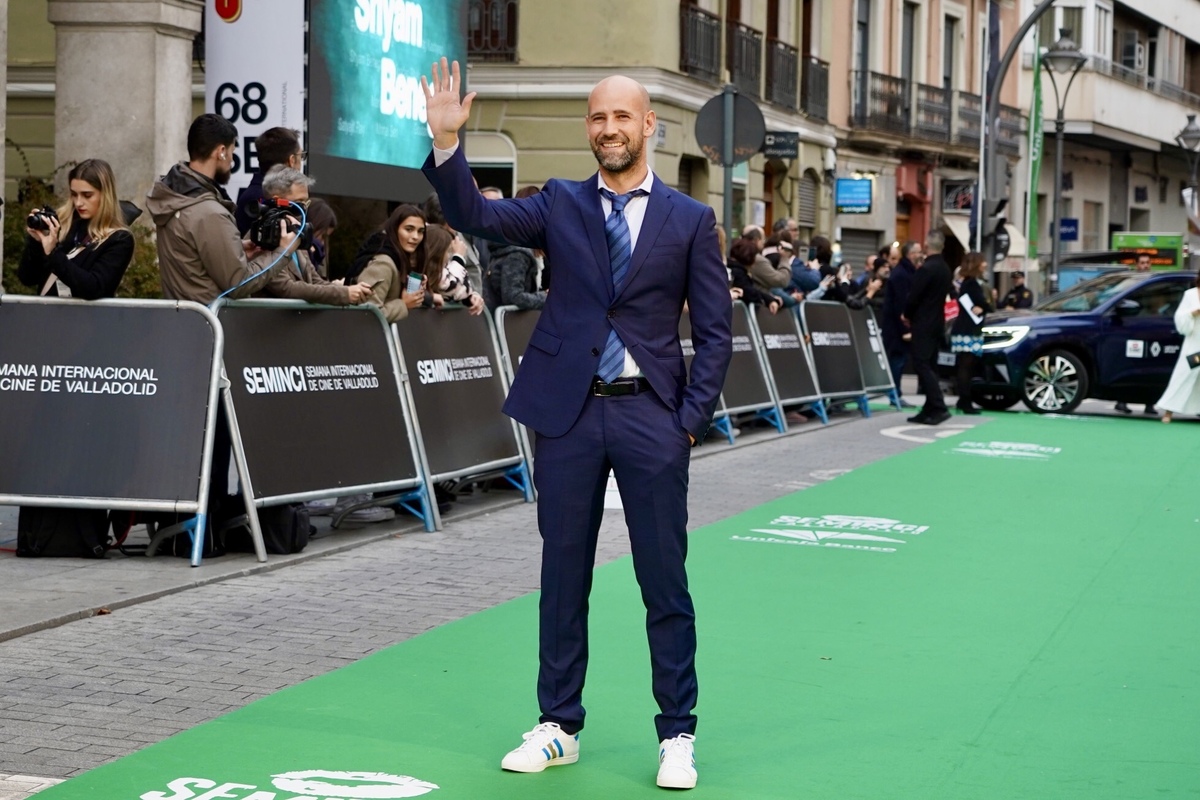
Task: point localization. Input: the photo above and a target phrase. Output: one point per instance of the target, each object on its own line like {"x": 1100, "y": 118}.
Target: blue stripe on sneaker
{"x": 559, "y": 746}
{"x": 549, "y": 756}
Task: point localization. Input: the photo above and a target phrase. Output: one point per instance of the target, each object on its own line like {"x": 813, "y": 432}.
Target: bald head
{"x": 621, "y": 91}
{"x": 618, "y": 121}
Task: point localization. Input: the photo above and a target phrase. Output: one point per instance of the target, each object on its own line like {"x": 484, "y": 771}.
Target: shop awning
{"x": 960, "y": 226}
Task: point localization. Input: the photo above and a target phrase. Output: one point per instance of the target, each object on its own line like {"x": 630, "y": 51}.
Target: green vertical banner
{"x": 1036, "y": 144}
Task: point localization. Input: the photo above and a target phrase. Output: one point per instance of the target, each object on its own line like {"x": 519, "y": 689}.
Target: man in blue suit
{"x": 603, "y": 386}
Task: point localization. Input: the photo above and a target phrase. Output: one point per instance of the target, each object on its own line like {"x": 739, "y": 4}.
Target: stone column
{"x": 124, "y": 85}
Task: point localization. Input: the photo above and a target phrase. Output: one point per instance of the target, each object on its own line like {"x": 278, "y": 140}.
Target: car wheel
{"x": 994, "y": 399}
{"x": 1055, "y": 382}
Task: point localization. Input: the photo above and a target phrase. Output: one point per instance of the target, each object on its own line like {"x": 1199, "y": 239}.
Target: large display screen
{"x": 367, "y": 127}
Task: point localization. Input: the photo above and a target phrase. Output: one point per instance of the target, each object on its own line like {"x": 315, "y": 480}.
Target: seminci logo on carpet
{"x": 1019, "y": 450}
{"x": 873, "y": 534}
{"x": 311, "y": 784}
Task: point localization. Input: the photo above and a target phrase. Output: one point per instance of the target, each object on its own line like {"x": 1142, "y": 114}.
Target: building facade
{"x": 1122, "y": 169}
{"x": 533, "y": 82}
{"x": 907, "y": 104}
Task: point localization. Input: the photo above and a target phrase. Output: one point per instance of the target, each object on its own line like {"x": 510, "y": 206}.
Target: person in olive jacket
{"x": 86, "y": 247}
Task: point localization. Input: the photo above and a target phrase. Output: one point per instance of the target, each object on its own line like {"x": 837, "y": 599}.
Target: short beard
{"x": 222, "y": 175}
{"x": 618, "y": 163}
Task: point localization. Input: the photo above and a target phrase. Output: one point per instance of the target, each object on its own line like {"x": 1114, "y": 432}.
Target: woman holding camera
{"x": 387, "y": 260}
{"x": 84, "y": 248}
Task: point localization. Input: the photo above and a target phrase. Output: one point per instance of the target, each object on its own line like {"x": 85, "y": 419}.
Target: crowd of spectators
{"x": 780, "y": 270}
{"x": 414, "y": 259}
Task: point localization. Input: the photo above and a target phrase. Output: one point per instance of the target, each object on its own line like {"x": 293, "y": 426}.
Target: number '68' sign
{"x": 242, "y": 104}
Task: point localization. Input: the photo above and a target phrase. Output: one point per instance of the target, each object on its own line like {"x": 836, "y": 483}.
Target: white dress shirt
{"x": 635, "y": 214}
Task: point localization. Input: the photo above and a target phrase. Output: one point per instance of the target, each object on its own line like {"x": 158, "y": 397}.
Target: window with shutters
{"x": 806, "y": 205}
{"x": 684, "y": 184}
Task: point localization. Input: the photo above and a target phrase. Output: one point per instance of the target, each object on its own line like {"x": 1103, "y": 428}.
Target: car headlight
{"x": 998, "y": 337}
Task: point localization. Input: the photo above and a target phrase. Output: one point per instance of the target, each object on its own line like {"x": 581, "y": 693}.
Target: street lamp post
{"x": 1189, "y": 140}
{"x": 1064, "y": 58}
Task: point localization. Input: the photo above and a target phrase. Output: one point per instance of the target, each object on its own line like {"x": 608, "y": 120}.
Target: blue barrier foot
{"x": 819, "y": 408}
{"x": 864, "y": 405}
{"x": 518, "y": 476}
{"x": 773, "y": 416}
{"x": 894, "y": 399}
{"x": 190, "y": 526}
{"x": 416, "y": 503}
{"x": 725, "y": 426}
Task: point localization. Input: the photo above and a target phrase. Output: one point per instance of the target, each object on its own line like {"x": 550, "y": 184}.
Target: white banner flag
{"x": 254, "y": 72}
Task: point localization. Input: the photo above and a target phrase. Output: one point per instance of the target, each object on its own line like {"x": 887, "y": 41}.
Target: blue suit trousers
{"x": 642, "y": 442}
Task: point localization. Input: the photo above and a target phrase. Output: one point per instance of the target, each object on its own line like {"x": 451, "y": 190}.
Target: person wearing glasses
{"x": 300, "y": 280}
{"x": 274, "y": 147}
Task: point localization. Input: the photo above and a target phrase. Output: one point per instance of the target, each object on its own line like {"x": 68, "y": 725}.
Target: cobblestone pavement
{"x": 76, "y": 696}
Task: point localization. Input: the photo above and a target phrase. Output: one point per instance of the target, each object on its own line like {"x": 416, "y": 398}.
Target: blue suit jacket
{"x": 676, "y": 259}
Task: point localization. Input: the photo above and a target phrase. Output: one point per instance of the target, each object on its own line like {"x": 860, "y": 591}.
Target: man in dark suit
{"x": 896, "y": 335}
{"x": 603, "y": 385}
{"x": 925, "y": 314}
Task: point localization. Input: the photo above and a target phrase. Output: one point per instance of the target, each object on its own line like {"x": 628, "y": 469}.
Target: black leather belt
{"x": 619, "y": 387}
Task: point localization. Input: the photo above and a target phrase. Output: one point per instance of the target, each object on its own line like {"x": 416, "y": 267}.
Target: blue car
{"x": 1110, "y": 338}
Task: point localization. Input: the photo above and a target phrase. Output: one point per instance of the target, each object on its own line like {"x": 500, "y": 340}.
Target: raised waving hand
{"x": 445, "y": 111}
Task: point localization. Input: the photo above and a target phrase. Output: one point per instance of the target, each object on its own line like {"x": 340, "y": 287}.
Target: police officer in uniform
{"x": 1019, "y": 296}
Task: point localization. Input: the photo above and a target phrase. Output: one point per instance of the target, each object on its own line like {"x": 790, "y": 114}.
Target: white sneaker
{"x": 321, "y": 508}
{"x": 370, "y": 514}
{"x": 677, "y": 762}
{"x": 366, "y": 514}
{"x": 547, "y": 745}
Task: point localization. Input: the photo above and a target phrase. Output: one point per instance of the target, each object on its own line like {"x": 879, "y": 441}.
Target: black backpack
{"x": 62, "y": 532}
{"x": 285, "y": 529}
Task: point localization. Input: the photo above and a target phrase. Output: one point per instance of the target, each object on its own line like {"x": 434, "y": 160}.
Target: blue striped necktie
{"x": 616, "y": 231}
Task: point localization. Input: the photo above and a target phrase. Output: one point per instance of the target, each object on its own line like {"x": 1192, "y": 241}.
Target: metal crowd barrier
{"x": 444, "y": 349}
{"x": 114, "y": 405}
{"x": 129, "y": 388}
{"x": 309, "y": 380}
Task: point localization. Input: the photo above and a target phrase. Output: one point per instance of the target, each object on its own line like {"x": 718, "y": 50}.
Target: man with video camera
{"x": 201, "y": 255}
{"x": 286, "y": 193}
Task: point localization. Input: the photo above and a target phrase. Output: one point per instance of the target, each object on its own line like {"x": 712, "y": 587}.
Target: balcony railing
{"x": 744, "y": 58}
{"x": 881, "y": 103}
{"x": 783, "y": 74}
{"x": 970, "y": 120}
{"x": 492, "y": 30}
{"x": 700, "y": 43}
{"x": 1009, "y": 137}
{"x": 1142, "y": 81}
{"x": 932, "y": 120}
{"x": 814, "y": 89}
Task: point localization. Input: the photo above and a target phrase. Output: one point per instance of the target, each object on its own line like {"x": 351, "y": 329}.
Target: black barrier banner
{"x": 316, "y": 397}
{"x": 104, "y": 401}
{"x": 868, "y": 341}
{"x": 833, "y": 354}
{"x": 745, "y": 386}
{"x": 454, "y": 375}
{"x": 518, "y": 328}
{"x": 786, "y": 356}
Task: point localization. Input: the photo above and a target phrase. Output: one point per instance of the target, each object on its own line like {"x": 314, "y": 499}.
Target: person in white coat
{"x": 1181, "y": 396}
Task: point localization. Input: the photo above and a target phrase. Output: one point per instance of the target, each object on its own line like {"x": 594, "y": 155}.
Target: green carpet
{"x": 1018, "y": 621}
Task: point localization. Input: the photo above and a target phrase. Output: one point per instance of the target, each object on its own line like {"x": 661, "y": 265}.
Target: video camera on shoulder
{"x": 264, "y": 230}
{"x": 39, "y": 219}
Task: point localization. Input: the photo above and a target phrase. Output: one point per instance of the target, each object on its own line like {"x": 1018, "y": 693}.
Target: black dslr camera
{"x": 264, "y": 231}
{"x": 38, "y": 220}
